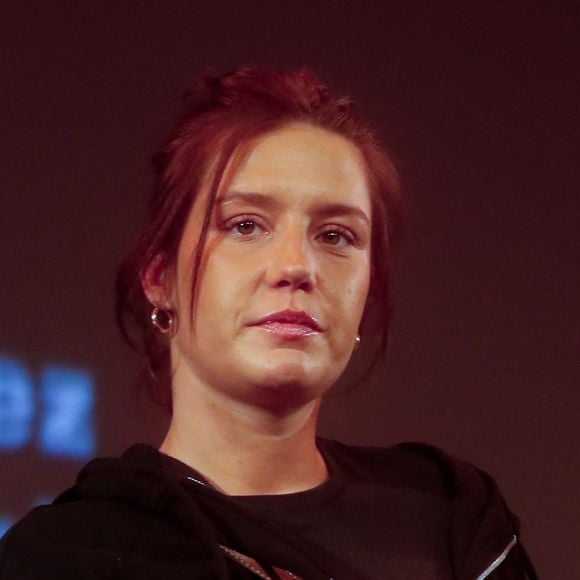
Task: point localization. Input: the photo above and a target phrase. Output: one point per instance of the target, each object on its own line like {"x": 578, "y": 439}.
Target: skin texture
{"x": 242, "y": 394}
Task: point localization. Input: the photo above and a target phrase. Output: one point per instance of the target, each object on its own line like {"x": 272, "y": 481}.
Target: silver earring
{"x": 356, "y": 341}
{"x": 162, "y": 320}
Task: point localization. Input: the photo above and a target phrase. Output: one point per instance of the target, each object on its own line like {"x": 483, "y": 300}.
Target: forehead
{"x": 302, "y": 163}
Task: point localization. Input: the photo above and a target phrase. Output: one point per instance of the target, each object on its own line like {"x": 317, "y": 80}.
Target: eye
{"x": 243, "y": 227}
{"x": 337, "y": 237}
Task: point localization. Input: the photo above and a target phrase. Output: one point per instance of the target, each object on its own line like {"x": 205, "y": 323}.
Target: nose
{"x": 291, "y": 265}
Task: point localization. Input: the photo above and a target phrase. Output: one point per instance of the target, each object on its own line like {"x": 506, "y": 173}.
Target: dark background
{"x": 480, "y": 102}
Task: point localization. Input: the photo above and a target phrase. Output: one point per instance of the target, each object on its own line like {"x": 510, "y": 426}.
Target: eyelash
{"x": 346, "y": 234}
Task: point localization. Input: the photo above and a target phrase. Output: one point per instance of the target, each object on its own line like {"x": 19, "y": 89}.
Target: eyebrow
{"x": 320, "y": 210}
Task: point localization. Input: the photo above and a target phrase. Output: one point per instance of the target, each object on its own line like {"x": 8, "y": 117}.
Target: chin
{"x": 287, "y": 383}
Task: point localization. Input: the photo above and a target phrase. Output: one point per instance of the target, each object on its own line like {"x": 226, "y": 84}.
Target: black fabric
{"x": 406, "y": 512}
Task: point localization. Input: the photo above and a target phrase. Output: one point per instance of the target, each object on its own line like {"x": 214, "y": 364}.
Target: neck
{"x": 242, "y": 449}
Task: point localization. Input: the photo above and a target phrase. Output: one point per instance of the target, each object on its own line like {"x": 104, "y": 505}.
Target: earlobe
{"x": 156, "y": 281}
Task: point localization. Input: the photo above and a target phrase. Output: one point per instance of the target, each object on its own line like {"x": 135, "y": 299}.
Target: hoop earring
{"x": 162, "y": 320}
{"x": 356, "y": 341}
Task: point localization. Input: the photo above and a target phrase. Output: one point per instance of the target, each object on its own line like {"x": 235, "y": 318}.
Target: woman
{"x": 263, "y": 265}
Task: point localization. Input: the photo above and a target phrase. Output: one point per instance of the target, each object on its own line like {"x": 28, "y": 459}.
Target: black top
{"x": 358, "y": 511}
{"x": 407, "y": 512}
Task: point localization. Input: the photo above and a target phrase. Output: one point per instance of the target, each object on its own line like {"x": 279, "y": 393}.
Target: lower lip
{"x": 287, "y": 330}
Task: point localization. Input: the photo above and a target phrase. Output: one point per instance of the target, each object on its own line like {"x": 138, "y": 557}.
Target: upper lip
{"x": 290, "y": 317}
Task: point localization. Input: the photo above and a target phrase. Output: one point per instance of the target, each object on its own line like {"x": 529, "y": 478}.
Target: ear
{"x": 157, "y": 282}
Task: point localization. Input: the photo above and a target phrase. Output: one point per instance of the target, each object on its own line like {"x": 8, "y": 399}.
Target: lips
{"x": 293, "y": 318}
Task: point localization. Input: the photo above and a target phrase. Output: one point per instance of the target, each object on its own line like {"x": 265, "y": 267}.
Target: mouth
{"x": 287, "y": 331}
{"x": 289, "y": 324}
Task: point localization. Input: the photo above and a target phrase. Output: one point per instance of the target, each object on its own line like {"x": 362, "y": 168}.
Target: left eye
{"x": 336, "y": 237}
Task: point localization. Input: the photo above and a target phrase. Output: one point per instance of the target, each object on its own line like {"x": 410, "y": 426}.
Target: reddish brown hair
{"x": 221, "y": 114}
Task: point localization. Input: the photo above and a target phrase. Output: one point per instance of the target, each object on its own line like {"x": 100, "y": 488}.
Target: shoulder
{"x": 111, "y": 524}
{"x": 480, "y": 523}
{"x": 413, "y": 463}
{"x": 64, "y": 540}
{"x": 419, "y": 466}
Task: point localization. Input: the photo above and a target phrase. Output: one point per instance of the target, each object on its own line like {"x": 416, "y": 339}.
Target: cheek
{"x": 358, "y": 282}
{"x": 222, "y": 291}
{"x": 348, "y": 299}
{"x": 355, "y": 295}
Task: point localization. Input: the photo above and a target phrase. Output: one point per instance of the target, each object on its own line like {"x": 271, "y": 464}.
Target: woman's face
{"x": 285, "y": 273}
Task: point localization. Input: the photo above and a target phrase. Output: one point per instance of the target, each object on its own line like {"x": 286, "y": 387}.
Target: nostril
{"x": 304, "y": 285}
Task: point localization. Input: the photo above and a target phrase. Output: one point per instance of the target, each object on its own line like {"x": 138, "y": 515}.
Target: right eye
{"x": 244, "y": 227}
